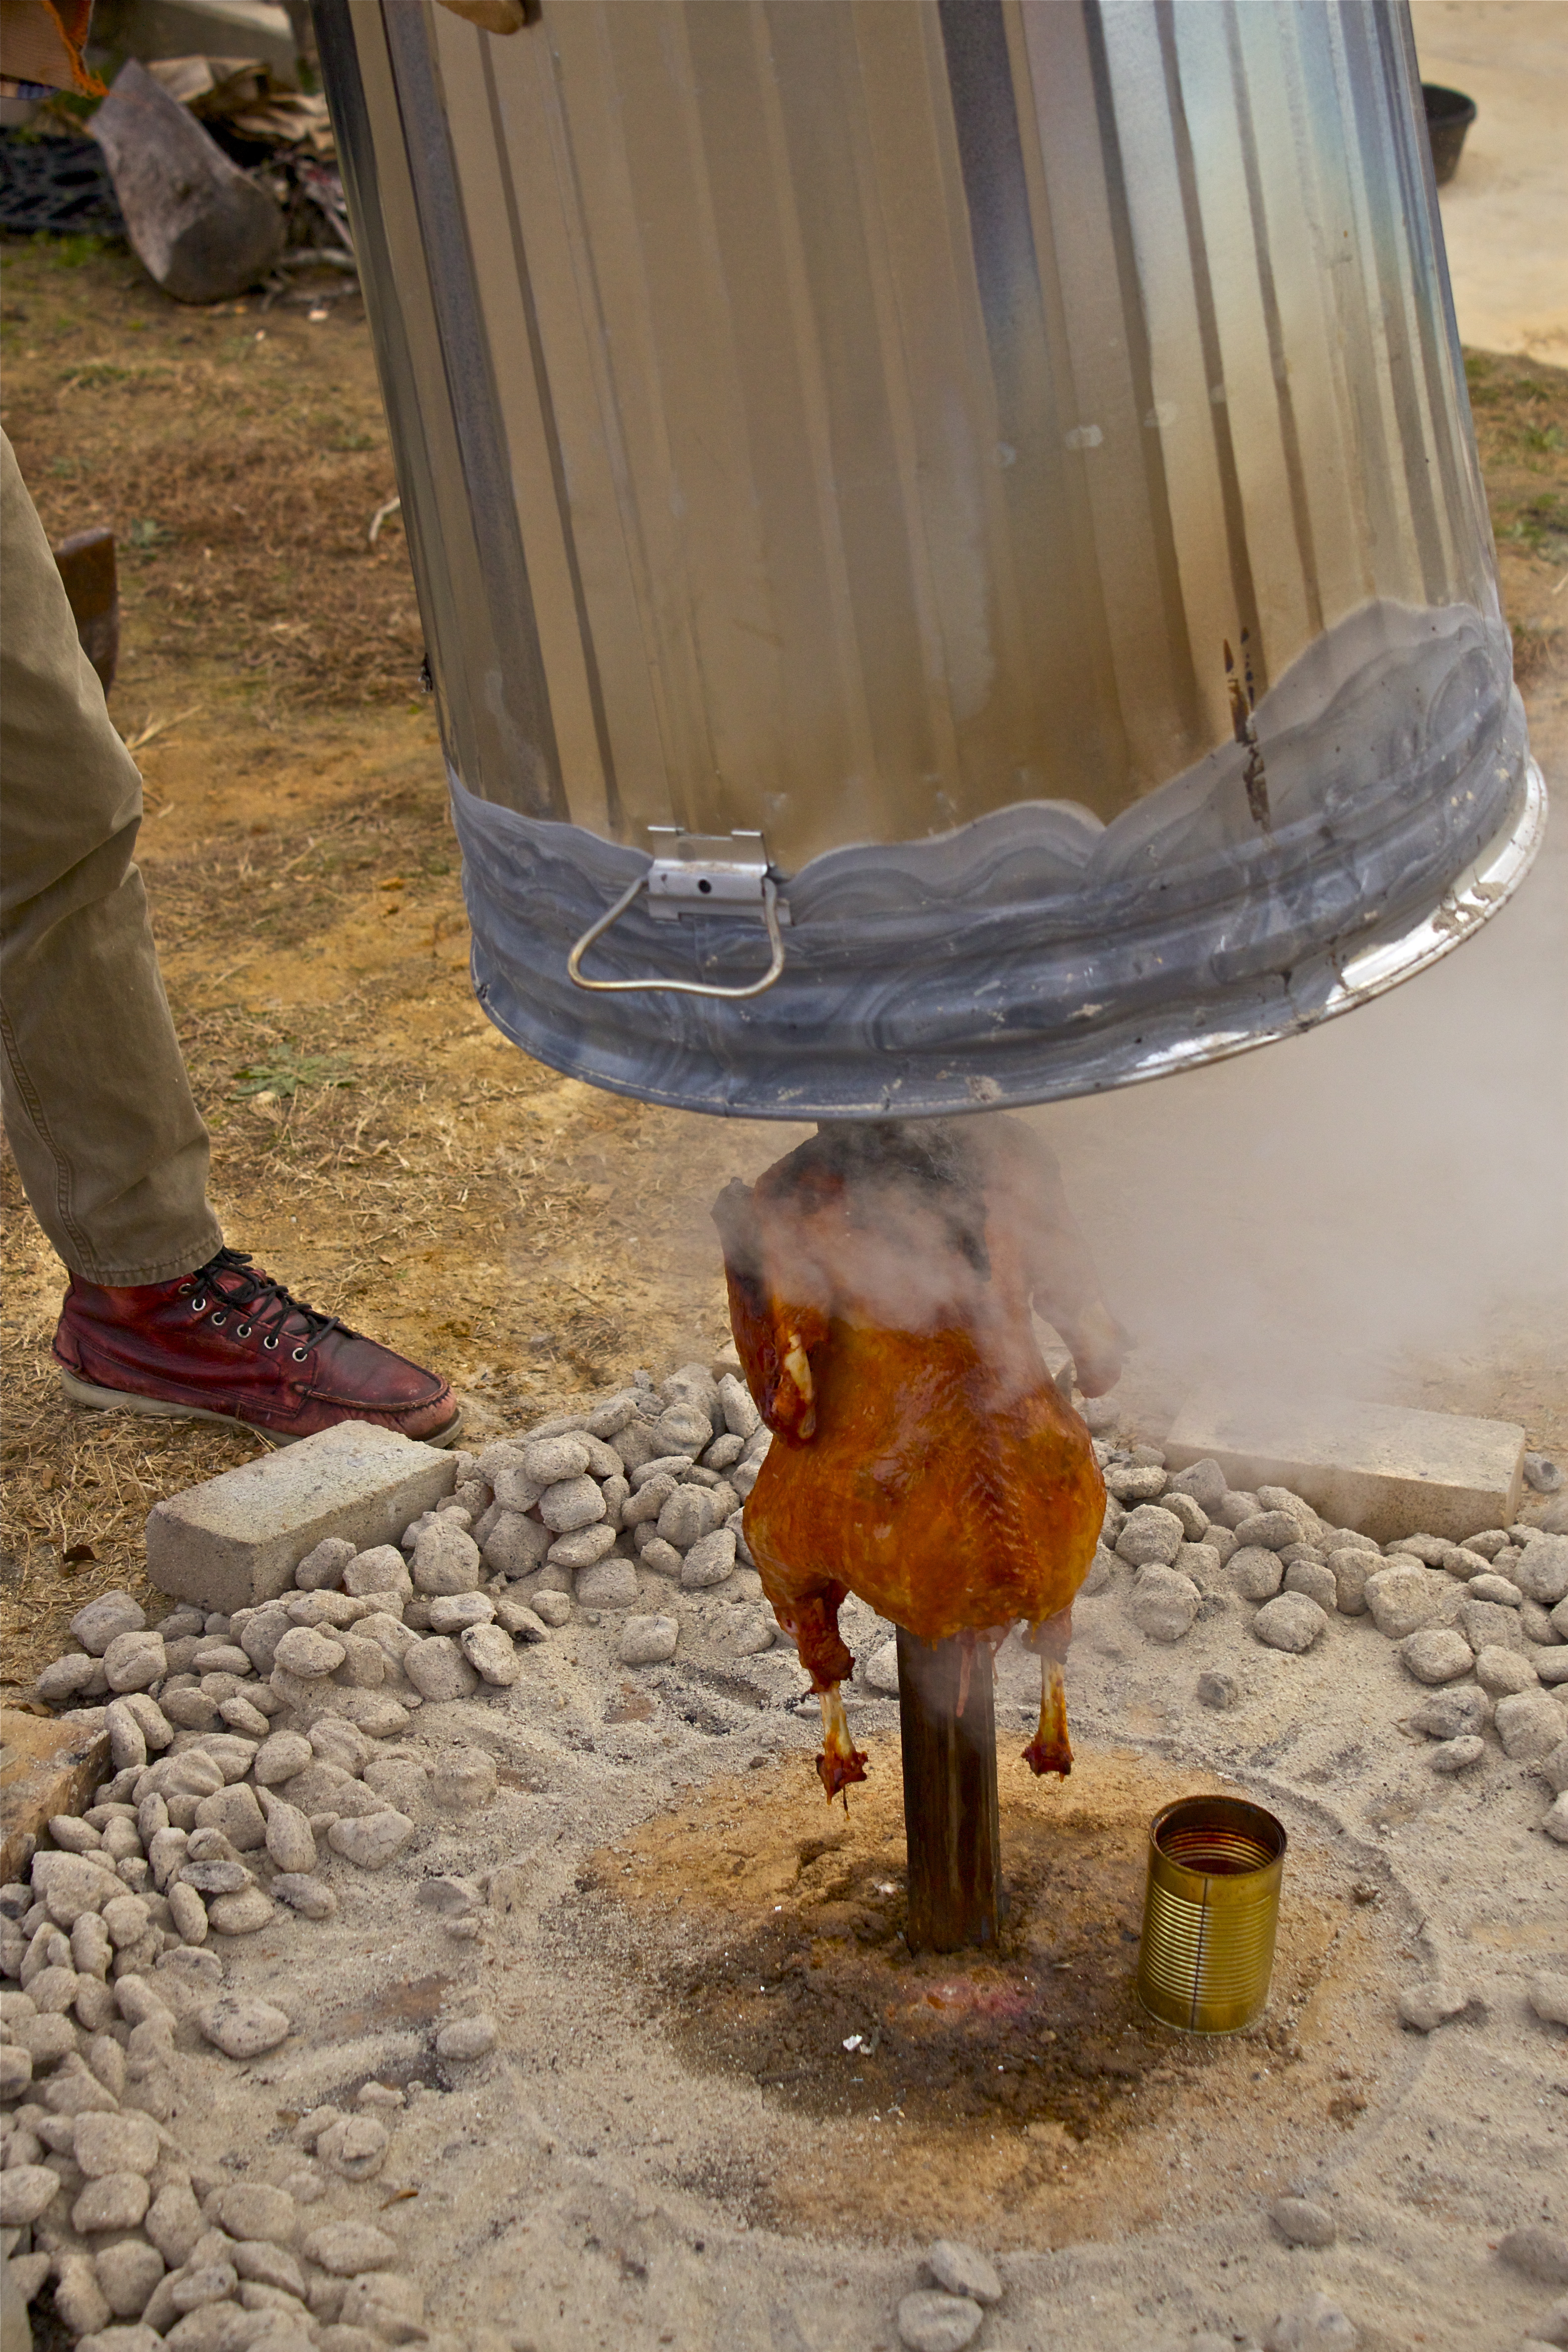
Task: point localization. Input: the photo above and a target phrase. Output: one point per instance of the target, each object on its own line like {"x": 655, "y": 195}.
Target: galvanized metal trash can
{"x": 951, "y": 546}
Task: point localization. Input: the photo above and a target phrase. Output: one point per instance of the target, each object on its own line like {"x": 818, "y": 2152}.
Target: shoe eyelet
{"x": 185, "y": 1289}
{"x": 301, "y": 1354}
{"x": 220, "y": 1319}
{"x": 198, "y": 1306}
{"x": 270, "y": 1343}
{"x": 242, "y": 1330}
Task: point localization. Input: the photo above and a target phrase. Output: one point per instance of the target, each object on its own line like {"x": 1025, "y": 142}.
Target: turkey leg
{"x": 952, "y": 1827}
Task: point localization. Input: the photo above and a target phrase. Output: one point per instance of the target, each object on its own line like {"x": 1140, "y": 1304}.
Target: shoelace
{"x": 265, "y": 1304}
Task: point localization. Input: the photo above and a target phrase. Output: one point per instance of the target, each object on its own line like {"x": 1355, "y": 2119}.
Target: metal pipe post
{"x": 952, "y": 1824}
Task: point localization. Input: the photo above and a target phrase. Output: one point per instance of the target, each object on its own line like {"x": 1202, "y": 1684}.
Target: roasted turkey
{"x": 880, "y": 1280}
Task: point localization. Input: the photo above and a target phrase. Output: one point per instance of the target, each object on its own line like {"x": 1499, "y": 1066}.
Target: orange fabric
{"x": 42, "y": 41}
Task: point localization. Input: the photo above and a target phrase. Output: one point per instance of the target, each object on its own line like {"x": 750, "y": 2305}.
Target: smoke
{"x": 1375, "y": 1207}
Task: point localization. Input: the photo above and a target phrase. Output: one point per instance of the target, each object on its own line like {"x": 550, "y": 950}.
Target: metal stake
{"x": 952, "y": 1825}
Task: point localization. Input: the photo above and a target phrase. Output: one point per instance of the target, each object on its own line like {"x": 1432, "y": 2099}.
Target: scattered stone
{"x": 453, "y": 1897}
{"x": 244, "y": 1914}
{"x": 117, "y": 2201}
{"x": 515, "y": 1545}
{"x": 290, "y": 1841}
{"x": 243, "y": 2027}
{"x": 467, "y": 2037}
{"x": 659, "y": 1556}
{"x": 931, "y": 2321}
{"x": 1317, "y": 1580}
{"x": 26, "y": 2190}
{"x": 322, "y": 1567}
{"x": 1405, "y": 1597}
{"x": 710, "y": 1561}
{"x": 1435, "y": 1655}
{"x": 463, "y": 1778}
{"x": 355, "y": 2148}
{"x": 1504, "y": 1672}
{"x": 1543, "y": 1473}
{"x": 311, "y": 1897}
{"x": 127, "y": 2274}
{"x": 134, "y": 1661}
{"x": 65, "y": 1679}
{"x": 307, "y": 1652}
{"x": 1216, "y": 1690}
{"x": 1554, "y": 1821}
{"x": 1539, "y": 2252}
{"x": 1487, "y": 1624}
{"x": 345, "y": 2249}
{"x": 1163, "y": 1603}
{"x": 1292, "y": 1622}
{"x": 1453, "y": 1714}
{"x": 1554, "y": 1765}
{"x": 446, "y": 1558}
{"x": 373, "y": 1840}
{"x": 453, "y": 1613}
{"x": 1424, "y": 2007}
{"x": 1528, "y": 1724}
{"x": 438, "y": 1670}
{"x": 607, "y": 1585}
{"x": 379, "y": 1571}
{"x": 102, "y": 2144}
{"x": 1541, "y": 1571}
{"x": 251, "y": 2210}
{"x": 1549, "y": 1999}
{"x": 1135, "y": 1482}
{"x": 1151, "y": 1537}
{"x": 1317, "y": 2325}
{"x": 516, "y": 1618}
{"x": 1301, "y": 2222}
{"x": 489, "y": 1652}
{"x": 1254, "y": 1572}
{"x": 960, "y": 2270}
{"x": 583, "y": 1547}
{"x": 104, "y": 1619}
{"x": 1268, "y": 1530}
{"x": 1457, "y": 1755}
{"x": 648, "y": 1641}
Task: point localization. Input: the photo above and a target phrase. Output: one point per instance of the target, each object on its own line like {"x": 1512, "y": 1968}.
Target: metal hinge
{"x": 697, "y": 874}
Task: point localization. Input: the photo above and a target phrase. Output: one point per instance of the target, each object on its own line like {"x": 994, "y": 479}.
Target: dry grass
{"x": 238, "y": 456}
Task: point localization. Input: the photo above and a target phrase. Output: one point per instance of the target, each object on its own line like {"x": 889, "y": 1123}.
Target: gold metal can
{"x": 1210, "y": 1911}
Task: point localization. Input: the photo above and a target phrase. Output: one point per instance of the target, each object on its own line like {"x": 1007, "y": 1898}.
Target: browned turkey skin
{"x": 881, "y": 1284}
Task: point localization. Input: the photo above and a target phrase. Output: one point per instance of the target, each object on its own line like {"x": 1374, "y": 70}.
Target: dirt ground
{"x": 377, "y": 1144}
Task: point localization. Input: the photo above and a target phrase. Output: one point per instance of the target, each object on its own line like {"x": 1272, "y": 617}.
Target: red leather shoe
{"x": 229, "y": 1344}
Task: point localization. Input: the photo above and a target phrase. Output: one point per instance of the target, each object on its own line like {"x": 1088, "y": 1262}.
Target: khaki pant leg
{"x": 111, "y": 1148}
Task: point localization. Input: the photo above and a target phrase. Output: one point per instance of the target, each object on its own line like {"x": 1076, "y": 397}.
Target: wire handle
{"x": 677, "y": 987}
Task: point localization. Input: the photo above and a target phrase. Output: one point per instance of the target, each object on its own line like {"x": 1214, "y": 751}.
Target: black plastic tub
{"x": 1449, "y": 114}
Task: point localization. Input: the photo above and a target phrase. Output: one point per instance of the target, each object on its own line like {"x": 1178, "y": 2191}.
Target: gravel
{"x": 1254, "y": 1572}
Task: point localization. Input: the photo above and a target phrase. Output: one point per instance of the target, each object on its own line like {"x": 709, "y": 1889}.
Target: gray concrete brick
{"x": 1380, "y": 1469}
{"x": 238, "y": 1539}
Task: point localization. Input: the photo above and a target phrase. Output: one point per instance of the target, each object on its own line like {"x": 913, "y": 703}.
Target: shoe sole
{"x": 97, "y": 1399}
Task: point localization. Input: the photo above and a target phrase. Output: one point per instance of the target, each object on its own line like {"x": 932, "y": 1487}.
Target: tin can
{"x": 1211, "y": 1908}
